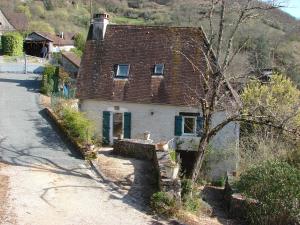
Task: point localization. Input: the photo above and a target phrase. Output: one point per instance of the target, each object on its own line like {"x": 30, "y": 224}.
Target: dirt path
{"x": 134, "y": 178}
{"x": 3, "y": 194}
{"x": 49, "y": 184}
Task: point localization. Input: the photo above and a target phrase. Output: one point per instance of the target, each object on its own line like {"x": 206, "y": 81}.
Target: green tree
{"x": 276, "y": 102}
{"x": 79, "y": 40}
{"x": 274, "y": 108}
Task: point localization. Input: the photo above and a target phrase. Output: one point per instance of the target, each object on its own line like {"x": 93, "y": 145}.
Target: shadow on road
{"x": 32, "y": 85}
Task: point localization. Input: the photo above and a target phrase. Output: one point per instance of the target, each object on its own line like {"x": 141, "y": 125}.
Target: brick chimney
{"x": 99, "y": 24}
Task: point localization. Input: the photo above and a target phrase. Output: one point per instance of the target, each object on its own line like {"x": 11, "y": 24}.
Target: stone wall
{"x": 135, "y": 149}
{"x": 141, "y": 149}
{"x": 237, "y": 204}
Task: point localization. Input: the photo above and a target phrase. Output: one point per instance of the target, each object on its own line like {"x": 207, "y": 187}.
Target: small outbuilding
{"x": 71, "y": 63}
{"x": 35, "y": 42}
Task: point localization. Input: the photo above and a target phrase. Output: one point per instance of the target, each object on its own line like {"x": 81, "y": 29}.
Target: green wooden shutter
{"x": 178, "y": 125}
{"x": 127, "y": 125}
{"x": 106, "y": 127}
{"x": 199, "y": 126}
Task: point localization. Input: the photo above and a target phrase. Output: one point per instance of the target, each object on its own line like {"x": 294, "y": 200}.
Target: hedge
{"x": 276, "y": 186}
{"x": 12, "y": 44}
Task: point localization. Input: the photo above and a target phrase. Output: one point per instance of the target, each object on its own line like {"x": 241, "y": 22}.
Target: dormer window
{"x": 123, "y": 70}
{"x": 159, "y": 69}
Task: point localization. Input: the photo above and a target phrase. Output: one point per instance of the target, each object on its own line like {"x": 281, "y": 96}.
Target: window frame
{"x": 194, "y": 128}
{"x": 157, "y": 73}
{"x": 117, "y": 71}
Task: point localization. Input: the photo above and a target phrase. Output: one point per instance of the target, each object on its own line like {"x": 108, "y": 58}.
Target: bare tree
{"x": 220, "y": 92}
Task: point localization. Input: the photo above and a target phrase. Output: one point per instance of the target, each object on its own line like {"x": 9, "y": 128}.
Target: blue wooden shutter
{"x": 178, "y": 126}
{"x": 127, "y": 125}
{"x": 199, "y": 126}
{"x": 106, "y": 127}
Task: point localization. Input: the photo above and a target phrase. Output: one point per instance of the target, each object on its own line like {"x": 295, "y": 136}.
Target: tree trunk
{"x": 199, "y": 159}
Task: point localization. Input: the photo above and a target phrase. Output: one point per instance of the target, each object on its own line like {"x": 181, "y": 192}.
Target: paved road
{"x": 50, "y": 184}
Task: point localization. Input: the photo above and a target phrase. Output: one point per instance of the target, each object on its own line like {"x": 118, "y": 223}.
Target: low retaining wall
{"x": 237, "y": 204}
{"x": 64, "y": 132}
{"x": 135, "y": 149}
{"x": 140, "y": 149}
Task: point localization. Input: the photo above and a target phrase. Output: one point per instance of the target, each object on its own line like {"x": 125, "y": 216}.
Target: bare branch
{"x": 221, "y": 28}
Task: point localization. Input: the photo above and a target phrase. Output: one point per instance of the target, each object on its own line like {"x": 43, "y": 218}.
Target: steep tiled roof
{"x": 72, "y": 57}
{"x": 17, "y": 20}
{"x": 142, "y": 47}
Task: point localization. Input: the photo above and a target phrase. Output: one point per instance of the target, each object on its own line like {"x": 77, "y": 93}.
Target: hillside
{"x": 279, "y": 32}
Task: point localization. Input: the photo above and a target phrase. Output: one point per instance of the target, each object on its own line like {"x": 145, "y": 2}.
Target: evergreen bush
{"x": 12, "y": 44}
{"x": 276, "y": 187}
{"x": 164, "y": 204}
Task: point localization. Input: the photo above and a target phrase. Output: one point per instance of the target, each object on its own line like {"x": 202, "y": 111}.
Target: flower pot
{"x": 172, "y": 171}
{"x": 162, "y": 147}
{"x": 121, "y": 136}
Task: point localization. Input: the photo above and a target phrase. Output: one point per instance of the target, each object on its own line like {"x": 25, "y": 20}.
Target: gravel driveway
{"x": 48, "y": 183}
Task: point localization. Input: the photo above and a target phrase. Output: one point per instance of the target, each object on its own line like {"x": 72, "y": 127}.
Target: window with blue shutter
{"x": 178, "y": 126}
{"x": 106, "y": 128}
{"x": 199, "y": 126}
{"x": 127, "y": 125}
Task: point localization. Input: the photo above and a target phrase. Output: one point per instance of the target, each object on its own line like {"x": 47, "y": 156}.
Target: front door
{"x": 117, "y": 125}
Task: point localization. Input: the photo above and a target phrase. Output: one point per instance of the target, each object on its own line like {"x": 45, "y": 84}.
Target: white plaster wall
{"x": 161, "y": 127}
{"x": 66, "y": 48}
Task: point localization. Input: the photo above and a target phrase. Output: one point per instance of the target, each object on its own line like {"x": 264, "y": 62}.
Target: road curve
{"x": 49, "y": 183}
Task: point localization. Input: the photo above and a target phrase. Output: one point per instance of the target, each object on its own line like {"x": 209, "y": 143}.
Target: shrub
{"x": 48, "y": 80}
{"x": 192, "y": 204}
{"x": 12, "y": 44}
{"x": 186, "y": 187}
{"x": 164, "y": 204}
{"x": 219, "y": 182}
{"x": 79, "y": 41}
{"x": 78, "y": 125}
{"x": 276, "y": 186}
{"x": 190, "y": 196}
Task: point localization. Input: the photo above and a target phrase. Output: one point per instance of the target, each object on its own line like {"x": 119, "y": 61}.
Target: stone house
{"x": 137, "y": 79}
{"x": 10, "y": 21}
